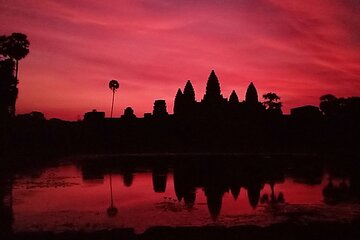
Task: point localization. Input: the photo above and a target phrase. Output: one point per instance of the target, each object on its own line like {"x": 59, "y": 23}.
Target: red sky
{"x": 298, "y": 49}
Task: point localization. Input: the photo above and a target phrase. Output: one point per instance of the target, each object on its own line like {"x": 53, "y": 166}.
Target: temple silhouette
{"x": 214, "y": 104}
{"x": 211, "y": 125}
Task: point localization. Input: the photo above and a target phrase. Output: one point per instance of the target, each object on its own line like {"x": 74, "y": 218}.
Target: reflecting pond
{"x": 82, "y": 196}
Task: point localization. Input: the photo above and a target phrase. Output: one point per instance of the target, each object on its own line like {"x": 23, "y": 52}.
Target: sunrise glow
{"x": 298, "y": 49}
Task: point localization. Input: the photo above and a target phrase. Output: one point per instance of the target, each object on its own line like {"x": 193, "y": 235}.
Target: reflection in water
{"x": 6, "y": 203}
{"x": 235, "y": 191}
{"x": 112, "y": 210}
{"x": 273, "y": 199}
{"x": 343, "y": 184}
{"x": 254, "y": 193}
{"x": 128, "y": 179}
{"x": 159, "y": 176}
{"x": 195, "y": 194}
{"x": 184, "y": 184}
{"x": 128, "y": 176}
{"x": 214, "y": 201}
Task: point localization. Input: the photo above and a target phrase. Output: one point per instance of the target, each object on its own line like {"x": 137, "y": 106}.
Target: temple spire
{"x": 178, "y": 102}
{"x": 251, "y": 94}
{"x": 189, "y": 93}
{"x": 213, "y": 92}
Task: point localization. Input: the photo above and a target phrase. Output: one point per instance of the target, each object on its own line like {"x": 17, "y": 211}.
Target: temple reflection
{"x": 235, "y": 191}
{"x": 185, "y": 185}
{"x": 217, "y": 180}
{"x": 128, "y": 178}
{"x": 217, "y": 177}
{"x": 159, "y": 177}
{"x": 253, "y": 191}
{"x": 214, "y": 201}
{"x": 273, "y": 199}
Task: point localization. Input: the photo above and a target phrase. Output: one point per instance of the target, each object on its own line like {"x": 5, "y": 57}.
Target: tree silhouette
{"x": 15, "y": 46}
{"x": 329, "y": 105}
{"x": 8, "y": 89}
{"x": 272, "y": 102}
{"x": 113, "y": 85}
{"x": 352, "y": 107}
{"x": 348, "y": 108}
{"x": 128, "y": 114}
{"x": 12, "y": 48}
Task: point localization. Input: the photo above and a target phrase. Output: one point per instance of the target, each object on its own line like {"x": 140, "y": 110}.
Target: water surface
{"x": 78, "y": 197}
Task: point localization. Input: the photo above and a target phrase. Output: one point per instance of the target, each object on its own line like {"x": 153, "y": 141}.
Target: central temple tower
{"x": 213, "y": 92}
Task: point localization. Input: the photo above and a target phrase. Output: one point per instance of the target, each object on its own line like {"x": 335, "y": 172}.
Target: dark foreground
{"x": 277, "y": 231}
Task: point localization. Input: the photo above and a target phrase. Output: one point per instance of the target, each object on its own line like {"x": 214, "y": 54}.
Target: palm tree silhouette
{"x": 113, "y": 85}
{"x": 15, "y": 46}
{"x": 112, "y": 210}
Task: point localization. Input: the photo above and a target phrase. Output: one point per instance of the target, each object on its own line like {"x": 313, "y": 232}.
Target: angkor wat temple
{"x": 214, "y": 124}
{"x": 214, "y": 104}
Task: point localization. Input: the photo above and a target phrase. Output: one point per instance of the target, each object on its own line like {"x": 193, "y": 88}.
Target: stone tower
{"x": 213, "y": 92}
{"x": 251, "y": 96}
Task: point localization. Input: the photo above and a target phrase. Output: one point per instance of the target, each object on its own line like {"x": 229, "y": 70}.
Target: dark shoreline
{"x": 321, "y": 230}
{"x": 16, "y": 163}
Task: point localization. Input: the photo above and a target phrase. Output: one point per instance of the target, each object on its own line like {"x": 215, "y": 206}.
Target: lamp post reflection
{"x": 112, "y": 210}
